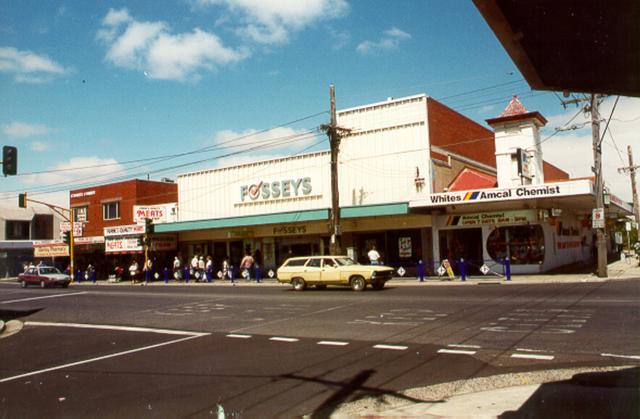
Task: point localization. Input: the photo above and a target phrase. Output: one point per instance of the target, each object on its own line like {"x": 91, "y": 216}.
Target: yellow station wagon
{"x": 332, "y": 270}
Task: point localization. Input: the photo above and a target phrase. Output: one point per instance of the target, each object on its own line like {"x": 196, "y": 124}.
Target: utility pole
{"x": 631, "y": 169}
{"x": 601, "y": 248}
{"x": 335, "y": 135}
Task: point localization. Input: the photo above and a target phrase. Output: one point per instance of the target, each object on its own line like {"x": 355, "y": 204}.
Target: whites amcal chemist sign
{"x": 550, "y": 190}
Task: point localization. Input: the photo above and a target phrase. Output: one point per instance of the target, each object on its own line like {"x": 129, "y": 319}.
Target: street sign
{"x": 484, "y": 269}
{"x": 271, "y": 273}
{"x": 441, "y": 270}
{"x": 597, "y": 218}
{"x": 401, "y": 271}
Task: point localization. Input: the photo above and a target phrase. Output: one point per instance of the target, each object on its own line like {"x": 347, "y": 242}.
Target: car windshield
{"x": 49, "y": 270}
{"x": 345, "y": 261}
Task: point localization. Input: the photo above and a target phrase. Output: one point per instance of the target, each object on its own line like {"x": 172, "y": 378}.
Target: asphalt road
{"x": 270, "y": 352}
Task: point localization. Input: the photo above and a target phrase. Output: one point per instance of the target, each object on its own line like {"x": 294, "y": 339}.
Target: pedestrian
{"x": 208, "y": 267}
{"x": 201, "y": 266}
{"x": 225, "y": 269}
{"x": 133, "y": 271}
{"x": 148, "y": 267}
{"x": 245, "y": 266}
{"x": 194, "y": 265}
{"x": 374, "y": 256}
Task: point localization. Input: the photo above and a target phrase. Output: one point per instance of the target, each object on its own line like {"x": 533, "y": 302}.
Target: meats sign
{"x": 165, "y": 213}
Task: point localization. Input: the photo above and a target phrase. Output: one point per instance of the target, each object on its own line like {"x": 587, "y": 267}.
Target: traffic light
{"x": 22, "y": 200}
{"x": 9, "y": 160}
{"x": 148, "y": 225}
{"x": 66, "y": 237}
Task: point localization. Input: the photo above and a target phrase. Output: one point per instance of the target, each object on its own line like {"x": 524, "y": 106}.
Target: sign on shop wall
{"x": 127, "y": 230}
{"x": 501, "y": 217}
{"x": 165, "y": 213}
{"x": 50, "y": 250}
{"x": 66, "y": 226}
{"x": 285, "y": 230}
{"x": 122, "y": 245}
{"x": 165, "y": 243}
{"x": 404, "y": 247}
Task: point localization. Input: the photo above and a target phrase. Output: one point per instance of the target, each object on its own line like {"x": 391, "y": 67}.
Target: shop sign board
{"x": 88, "y": 240}
{"x": 284, "y": 230}
{"x": 80, "y": 214}
{"x": 502, "y": 217}
{"x": 127, "y": 230}
{"x": 164, "y": 213}
{"x": 276, "y": 189}
{"x": 163, "y": 243}
{"x": 48, "y": 249}
{"x": 597, "y": 218}
{"x": 122, "y": 244}
{"x": 549, "y": 190}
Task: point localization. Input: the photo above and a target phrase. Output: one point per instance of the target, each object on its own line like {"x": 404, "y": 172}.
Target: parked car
{"x": 43, "y": 276}
{"x": 332, "y": 270}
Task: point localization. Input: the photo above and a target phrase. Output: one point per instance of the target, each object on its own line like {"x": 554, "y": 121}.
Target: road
{"x": 267, "y": 351}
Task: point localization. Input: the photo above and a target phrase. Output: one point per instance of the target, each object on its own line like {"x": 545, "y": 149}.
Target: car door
{"x": 312, "y": 270}
{"x": 31, "y": 275}
{"x": 330, "y": 273}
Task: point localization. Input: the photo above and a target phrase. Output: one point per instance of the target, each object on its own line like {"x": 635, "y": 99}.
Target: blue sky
{"x": 95, "y": 85}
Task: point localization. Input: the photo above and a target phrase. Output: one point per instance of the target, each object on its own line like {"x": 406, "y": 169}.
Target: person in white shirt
{"x": 374, "y": 256}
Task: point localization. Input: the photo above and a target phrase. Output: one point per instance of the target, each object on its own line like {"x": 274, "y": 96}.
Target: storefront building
{"x": 109, "y": 223}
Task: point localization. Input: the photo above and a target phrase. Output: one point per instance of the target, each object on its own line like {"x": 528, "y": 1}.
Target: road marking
{"x": 456, "y": 351}
{"x": 531, "y": 350}
{"x": 280, "y": 339}
{"x": 456, "y": 345}
{"x": 42, "y": 297}
{"x": 332, "y": 343}
{"x": 118, "y": 328}
{"x": 622, "y": 356}
{"x": 533, "y": 356}
{"x": 391, "y": 347}
{"x": 234, "y": 335}
{"x": 87, "y": 361}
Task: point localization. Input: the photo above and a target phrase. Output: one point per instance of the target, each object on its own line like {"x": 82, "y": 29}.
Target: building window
{"x": 17, "y": 230}
{"x": 81, "y": 214}
{"x": 525, "y": 244}
{"x": 111, "y": 210}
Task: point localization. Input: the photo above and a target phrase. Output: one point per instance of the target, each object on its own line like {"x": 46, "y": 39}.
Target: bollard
{"x": 187, "y": 272}
{"x": 79, "y": 276}
{"x": 258, "y": 274}
{"x": 147, "y": 273}
{"x": 463, "y": 271}
{"x": 507, "y": 269}
{"x": 209, "y": 275}
{"x": 232, "y": 274}
{"x": 166, "y": 275}
{"x": 421, "y": 270}
{"x": 94, "y": 276}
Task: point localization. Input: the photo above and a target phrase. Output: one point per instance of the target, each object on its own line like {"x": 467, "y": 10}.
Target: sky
{"x": 96, "y": 92}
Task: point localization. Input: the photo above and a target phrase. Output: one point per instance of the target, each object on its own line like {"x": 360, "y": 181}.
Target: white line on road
{"x": 118, "y": 328}
{"x": 86, "y": 361}
{"x": 622, "y": 356}
{"x": 392, "y": 347}
{"x": 531, "y": 350}
{"x": 533, "y": 356}
{"x": 42, "y": 297}
{"x": 237, "y": 336}
{"x": 332, "y": 343}
{"x": 457, "y": 345}
{"x": 280, "y": 339}
{"x": 456, "y": 351}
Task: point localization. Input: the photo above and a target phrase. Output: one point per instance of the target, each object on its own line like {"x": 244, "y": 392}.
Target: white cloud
{"x": 151, "y": 48}
{"x": 40, "y": 146}
{"x": 390, "y": 40}
{"x": 272, "y": 22}
{"x": 29, "y": 67}
{"x": 23, "y": 130}
{"x": 254, "y": 145}
{"x": 572, "y": 151}
{"x": 78, "y": 169}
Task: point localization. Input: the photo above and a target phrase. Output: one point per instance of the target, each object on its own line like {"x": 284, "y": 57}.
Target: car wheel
{"x": 358, "y": 283}
{"x": 377, "y": 285}
{"x": 23, "y": 284}
{"x": 321, "y": 286}
{"x": 43, "y": 284}
{"x": 298, "y": 284}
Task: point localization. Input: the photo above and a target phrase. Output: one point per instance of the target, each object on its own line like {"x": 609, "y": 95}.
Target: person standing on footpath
{"x": 245, "y": 265}
{"x": 194, "y": 265}
{"x": 133, "y": 271}
{"x": 374, "y": 256}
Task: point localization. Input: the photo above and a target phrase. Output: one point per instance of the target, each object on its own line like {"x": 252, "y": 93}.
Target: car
{"x": 43, "y": 276}
{"x": 321, "y": 271}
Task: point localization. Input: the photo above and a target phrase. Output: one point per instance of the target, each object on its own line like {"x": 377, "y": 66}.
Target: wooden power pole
{"x": 601, "y": 270}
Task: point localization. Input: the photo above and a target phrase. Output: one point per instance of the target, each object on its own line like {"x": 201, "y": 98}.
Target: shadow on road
{"x": 7, "y": 315}
{"x": 613, "y": 394}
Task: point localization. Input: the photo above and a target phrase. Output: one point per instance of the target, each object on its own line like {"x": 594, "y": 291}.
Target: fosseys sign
{"x": 274, "y": 190}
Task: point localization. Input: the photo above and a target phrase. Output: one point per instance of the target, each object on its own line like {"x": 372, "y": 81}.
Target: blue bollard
{"x": 232, "y": 274}
{"x": 79, "y": 276}
{"x": 421, "y": 270}
{"x": 165, "y": 272}
{"x": 209, "y": 275}
{"x": 186, "y": 275}
{"x": 507, "y": 269}
{"x": 94, "y": 276}
{"x": 147, "y": 273}
{"x": 463, "y": 270}
{"x": 258, "y": 274}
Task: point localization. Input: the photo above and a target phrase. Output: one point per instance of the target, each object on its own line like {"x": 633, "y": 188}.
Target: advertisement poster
{"x": 404, "y": 247}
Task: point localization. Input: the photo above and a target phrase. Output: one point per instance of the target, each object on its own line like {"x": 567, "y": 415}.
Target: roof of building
{"x": 22, "y": 214}
{"x": 470, "y": 179}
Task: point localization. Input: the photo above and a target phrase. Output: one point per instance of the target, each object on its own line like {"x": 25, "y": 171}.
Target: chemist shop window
{"x": 111, "y": 210}
{"x": 524, "y": 243}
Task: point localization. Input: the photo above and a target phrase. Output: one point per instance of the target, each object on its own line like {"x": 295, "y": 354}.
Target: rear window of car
{"x": 296, "y": 262}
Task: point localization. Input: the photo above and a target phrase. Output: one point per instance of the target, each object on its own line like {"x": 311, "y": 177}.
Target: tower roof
{"x": 515, "y": 107}
{"x": 515, "y": 111}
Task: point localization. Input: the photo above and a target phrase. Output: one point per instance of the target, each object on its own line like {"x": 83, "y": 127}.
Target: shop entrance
{"x": 464, "y": 243}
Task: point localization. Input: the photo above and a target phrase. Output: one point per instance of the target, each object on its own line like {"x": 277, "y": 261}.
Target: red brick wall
{"x": 459, "y": 134}
{"x": 552, "y": 173}
{"x": 128, "y": 193}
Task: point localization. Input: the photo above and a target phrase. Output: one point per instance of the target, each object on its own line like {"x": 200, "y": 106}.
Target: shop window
{"x": 525, "y": 244}
{"x": 17, "y": 230}
{"x": 111, "y": 210}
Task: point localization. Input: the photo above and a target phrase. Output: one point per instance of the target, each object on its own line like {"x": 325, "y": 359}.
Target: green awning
{"x": 374, "y": 210}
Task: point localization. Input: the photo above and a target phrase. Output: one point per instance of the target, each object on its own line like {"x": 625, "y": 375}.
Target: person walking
{"x": 245, "y": 265}
{"x": 133, "y": 271}
{"x": 374, "y": 256}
